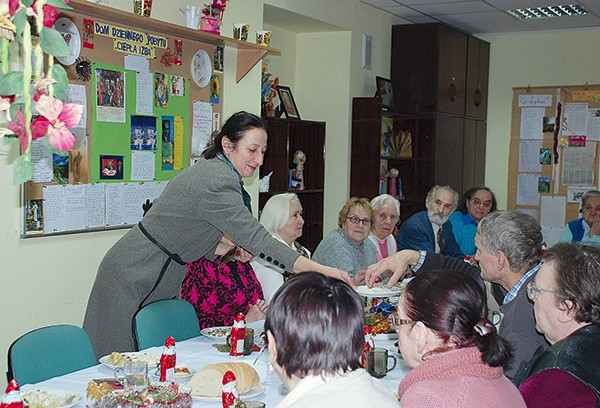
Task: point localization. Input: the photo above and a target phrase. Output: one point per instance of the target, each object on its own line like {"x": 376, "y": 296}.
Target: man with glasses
{"x": 429, "y": 230}
{"x": 347, "y": 247}
{"x": 587, "y": 228}
{"x": 509, "y": 251}
{"x": 566, "y": 296}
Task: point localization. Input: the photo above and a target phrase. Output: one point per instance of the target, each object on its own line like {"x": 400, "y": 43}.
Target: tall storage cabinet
{"x": 285, "y": 138}
{"x": 440, "y": 80}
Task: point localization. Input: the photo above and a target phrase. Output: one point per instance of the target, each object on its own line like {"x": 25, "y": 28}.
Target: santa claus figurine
{"x": 229, "y": 391}
{"x": 369, "y": 345}
{"x": 236, "y": 338}
{"x": 167, "y": 361}
{"x": 12, "y": 399}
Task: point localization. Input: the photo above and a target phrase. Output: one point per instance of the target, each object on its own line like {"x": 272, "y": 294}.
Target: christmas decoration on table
{"x": 238, "y": 333}
{"x": 25, "y": 81}
{"x": 12, "y": 399}
{"x": 229, "y": 395}
{"x": 268, "y": 89}
{"x": 168, "y": 360}
{"x": 369, "y": 345}
{"x": 167, "y": 395}
{"x": 377, "y": 316}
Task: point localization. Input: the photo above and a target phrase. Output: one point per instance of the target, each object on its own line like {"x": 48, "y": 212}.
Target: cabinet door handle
{"x": 478, "y": 97}
{"x": 452, "y": 93}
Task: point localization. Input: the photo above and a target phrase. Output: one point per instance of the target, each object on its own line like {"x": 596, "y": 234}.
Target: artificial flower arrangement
{"x": 215, "y": 9}
{"x": 269, "y": 83}
{"x": 25, "y": 83}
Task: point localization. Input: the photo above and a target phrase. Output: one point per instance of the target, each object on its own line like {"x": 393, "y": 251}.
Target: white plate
{"x": 254, "y": 392}
{"x": 151, "y": 358}
{"x": 215, "y": 333}
{"x": 178, "y": 378}
{"x": 201, "y": 68}
{"x": 47, "y": 397}
{"x": 378, "y": 291}
{"x": 69, "y": 32}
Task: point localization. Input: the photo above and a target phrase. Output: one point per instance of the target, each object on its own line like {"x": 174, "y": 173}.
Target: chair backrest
{"x": 49, "y": 352}
{"x": 158, "y": 320}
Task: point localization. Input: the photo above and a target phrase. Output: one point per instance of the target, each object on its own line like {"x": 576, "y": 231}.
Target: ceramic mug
{"x": 240, "y": 31}
{"x": 248, "y": 341}
{"x": 135, "y": 375}
{"x": 263, "y": 37}
{"x": 377, "y": 362}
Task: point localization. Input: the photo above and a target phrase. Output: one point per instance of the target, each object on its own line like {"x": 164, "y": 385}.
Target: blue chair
{"x": 49, "y": 352}
{"x": 153, "y": 323}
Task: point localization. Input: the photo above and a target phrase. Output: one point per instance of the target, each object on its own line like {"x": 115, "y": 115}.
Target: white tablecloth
{"x": 196, "y": 353}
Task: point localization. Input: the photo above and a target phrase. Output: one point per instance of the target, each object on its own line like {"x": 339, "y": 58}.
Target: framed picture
{"x": 385, "y": 92}
{"x": 287, "y": 102}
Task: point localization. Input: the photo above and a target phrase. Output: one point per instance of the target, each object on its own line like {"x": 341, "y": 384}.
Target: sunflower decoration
{"x": 215, "y": 89}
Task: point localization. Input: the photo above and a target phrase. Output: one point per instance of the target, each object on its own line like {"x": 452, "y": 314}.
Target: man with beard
{"x": 429, "y": 230}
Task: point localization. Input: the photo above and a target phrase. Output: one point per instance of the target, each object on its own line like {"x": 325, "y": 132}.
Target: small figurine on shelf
{"x": 265, "y": 183}
{"x": 298, "y": 174}
{"x": 393, "y": 184}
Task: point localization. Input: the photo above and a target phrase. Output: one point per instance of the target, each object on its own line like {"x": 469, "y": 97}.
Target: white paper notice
{"x": 95, "y": 203}
{"x": 527, "y": 189}
{"x": 41, "y": 158}
{"x": 575, "y": 193}
{"x": 142, "y": 165}
{"x": 574, "y": 121}
{"x": 532, "y": 122}
{"x": 135, "y": 63}
{"x": 529, "y": 156}
{"x": 76, "y": 94}
{"x": 529, "y": 211}
{"x": 551, "y": 235}
{"x": 535, "y": 100}
{"x": 144, "y": 97}
{"x": 114, "y": 203}
{"x": 201, "y": 127}
{"x": 132, "y": 203}
{"x": 55, "y": 210}
{"x": 578, "y": 165}
{"x": 75, "y": 206}
{"x": 593, "y": 125}
{"x": 553, "y": 211}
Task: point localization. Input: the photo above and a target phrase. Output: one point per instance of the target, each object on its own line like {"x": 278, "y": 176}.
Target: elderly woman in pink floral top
{"x": 455, "y": 352}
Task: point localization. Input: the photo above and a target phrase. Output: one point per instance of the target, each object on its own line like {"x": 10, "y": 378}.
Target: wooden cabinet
{"x": 437, "y": 151}
{"x": 429, "y": 67}
{"x": 285, "y": 138}
{"x": 478, "y": 65}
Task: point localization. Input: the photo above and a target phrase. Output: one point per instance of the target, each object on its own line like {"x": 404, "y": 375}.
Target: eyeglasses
{"x": 477, "y": 202}
{"x": 396, "y": 321}
{"x": 533, "y": 291}
{"x": 356, "y": 220}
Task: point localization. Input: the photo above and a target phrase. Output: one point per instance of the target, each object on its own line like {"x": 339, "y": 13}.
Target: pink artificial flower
{"x": 13, "y": 6}
{"x": 56, "y": 119}
{"x": 18, "y": 128}
{"x": 5, "y": 103}
{"x": 41, "y": 88}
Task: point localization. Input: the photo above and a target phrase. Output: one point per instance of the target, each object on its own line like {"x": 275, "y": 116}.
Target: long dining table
{"x": 198, "y": 352}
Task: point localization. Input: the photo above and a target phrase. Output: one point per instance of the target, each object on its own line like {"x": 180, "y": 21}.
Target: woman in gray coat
{"x": 198, "y": 214}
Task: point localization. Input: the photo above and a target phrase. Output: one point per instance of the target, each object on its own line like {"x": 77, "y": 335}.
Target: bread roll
{"x": 207, "y": 381}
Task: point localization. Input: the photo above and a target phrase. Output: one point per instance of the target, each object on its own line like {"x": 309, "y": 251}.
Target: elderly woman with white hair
{"x": 282, "y": 218}
{"x": 386, "y": 213}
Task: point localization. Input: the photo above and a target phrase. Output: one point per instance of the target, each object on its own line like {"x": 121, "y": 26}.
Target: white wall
{"x": 519, "y": 60}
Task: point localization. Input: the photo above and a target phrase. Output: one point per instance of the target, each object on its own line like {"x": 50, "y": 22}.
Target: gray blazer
{"x": 196, "y": 208}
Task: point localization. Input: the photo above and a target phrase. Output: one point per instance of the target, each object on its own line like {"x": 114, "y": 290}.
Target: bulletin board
{"x": 149, "y": 109}
{"x": 553, "y": 160}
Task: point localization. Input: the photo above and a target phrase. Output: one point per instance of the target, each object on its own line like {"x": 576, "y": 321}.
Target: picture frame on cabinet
{"x": 385, "y": 92}
{"x": 287, "y": 103}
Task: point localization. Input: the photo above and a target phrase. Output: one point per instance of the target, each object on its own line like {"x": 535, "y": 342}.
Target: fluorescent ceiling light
{"x": 548, "y": 11}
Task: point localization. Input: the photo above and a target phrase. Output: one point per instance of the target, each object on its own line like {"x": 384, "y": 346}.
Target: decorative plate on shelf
{"x": 201, "y": 68}
{"x": 70, "y": 34}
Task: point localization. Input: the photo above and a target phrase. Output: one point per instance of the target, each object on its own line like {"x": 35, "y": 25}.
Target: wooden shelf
{"x": 248, "y": 54}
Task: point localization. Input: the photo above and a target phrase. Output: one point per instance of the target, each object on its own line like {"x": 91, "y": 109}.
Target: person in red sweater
{"x": 455, "y": 351}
